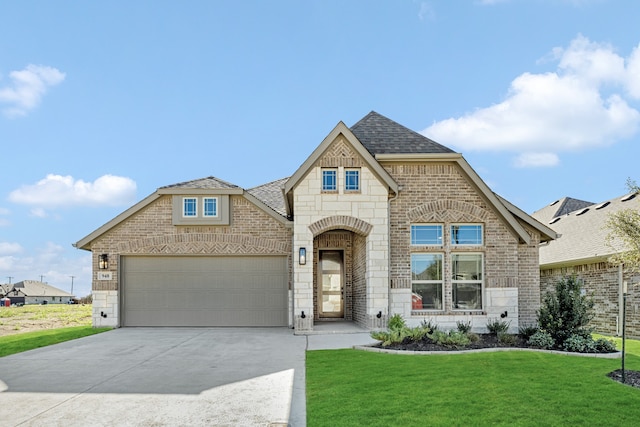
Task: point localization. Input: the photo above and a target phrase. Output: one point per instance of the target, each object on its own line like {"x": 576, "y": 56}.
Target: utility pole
{"x": 9, "y": 277}
{"x": 42, "y": 278}
{"x": 72, "y": 277}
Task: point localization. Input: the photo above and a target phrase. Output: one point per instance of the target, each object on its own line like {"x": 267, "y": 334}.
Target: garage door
{"x": 204, "y": 291}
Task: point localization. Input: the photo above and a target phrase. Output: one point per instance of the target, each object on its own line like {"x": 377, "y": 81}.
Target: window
{"x": 426, "y": 281}
{"x": 352, "y": 180}
{"x": 190, "y": 207}
{"x": 210, "y": 206}
{"x": 466, "y": 234}
{"x": 426, "y": 234}
{"x": 329, "y": 182}
{"x": 467, "y": 281}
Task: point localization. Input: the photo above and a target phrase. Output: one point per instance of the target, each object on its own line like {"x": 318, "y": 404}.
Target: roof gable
{"x": 381, "y": 135}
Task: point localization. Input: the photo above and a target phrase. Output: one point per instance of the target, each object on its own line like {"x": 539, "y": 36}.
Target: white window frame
{"x": 334, "y": 172}
{"x": 204, "y": 207}
{"x": 347, "y": 172}
{"x": 481, "y": 226}
{"x": 439, "y": 282}
{"x": 455, "y": 281}
{"x": 184, "y": 207}
{"x": 440, "y": 233}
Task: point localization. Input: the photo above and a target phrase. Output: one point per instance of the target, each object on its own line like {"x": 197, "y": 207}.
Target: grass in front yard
{"x": 50, "y": 316}
{"x": 12, "y": 344}
{"x": 352, "y": 388}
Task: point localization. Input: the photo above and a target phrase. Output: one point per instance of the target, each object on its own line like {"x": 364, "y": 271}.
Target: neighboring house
{"x": 378, "y": 220}
{"x": 581, "y": 249}
{"x": 34, "y": 292}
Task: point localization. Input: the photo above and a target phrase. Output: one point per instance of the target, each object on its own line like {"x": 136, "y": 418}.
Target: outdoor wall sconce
{"x": 379, "y": 315}
{"x": 302, "y": 316}
{"x": 302, "y": 256}
{"x": 103, "y": 262}
{"x": 503, "y": 315}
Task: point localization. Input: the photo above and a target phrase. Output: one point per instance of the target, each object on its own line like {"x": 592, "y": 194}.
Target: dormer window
{"x": 210, "y": 208}
{"x": 190, "y": 207}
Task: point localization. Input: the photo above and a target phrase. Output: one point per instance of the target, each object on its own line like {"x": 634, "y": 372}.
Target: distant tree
{"x": 624, "y": 234}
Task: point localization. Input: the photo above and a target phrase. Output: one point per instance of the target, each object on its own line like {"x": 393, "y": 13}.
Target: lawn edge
{"x": 615, "y": 355}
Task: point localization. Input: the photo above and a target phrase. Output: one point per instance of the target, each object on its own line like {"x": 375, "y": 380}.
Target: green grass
{"x": 12, "y": 344}
{"x": 352, "y": 388}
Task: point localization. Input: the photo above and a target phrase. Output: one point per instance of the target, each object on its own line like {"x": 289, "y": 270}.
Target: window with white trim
{"x": 426, "y": 281}
{"x": 189, "y": 207}
{"x": 426, "y": 234}
{"x": 210, "y": 206}
{"x": 467, "y": 280}
{"x": 329, "y": 179}
{"x": 467, "y": 234}
{"x": 352, "y": 180}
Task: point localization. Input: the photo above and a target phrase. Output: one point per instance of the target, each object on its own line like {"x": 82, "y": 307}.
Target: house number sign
{"x": 105, "y": 275}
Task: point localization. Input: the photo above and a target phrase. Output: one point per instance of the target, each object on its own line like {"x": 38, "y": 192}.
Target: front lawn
{"x": 12, "y": 344}
{"x": 518, "y": 388}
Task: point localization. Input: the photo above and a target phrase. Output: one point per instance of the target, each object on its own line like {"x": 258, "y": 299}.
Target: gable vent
{"x": 554, "y": 203}
{"x": 554, "y": 220}
{"x": 603, "y": 205}
{"x": 628, "y": 197}
{"x": 582, "y": 212}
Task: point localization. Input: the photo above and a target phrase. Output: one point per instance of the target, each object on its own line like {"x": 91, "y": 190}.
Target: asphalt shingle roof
{"x": 381, "y": 135}
{"x": 271, "y": 195}
{"x": 208, "y": 183}
{"x": 583, "y": 232}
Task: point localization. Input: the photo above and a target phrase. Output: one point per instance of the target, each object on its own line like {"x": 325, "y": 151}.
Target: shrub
{"x": 565, "y": 312}
{"x": 417, "y": 333}
{"x": 453, "y": 339}
{"x": 429, "y": 324}
{"x": 541, "y": 339}
{"x": 579, "y": 344}
{"x": 473, "y": 337}
{"x": 604, "y": 345}
{"x": 464, "y": 327}
{"x": 507, "y": 339}
{"x": 496, "y": 326}
{"x": 525, "y": 331}
{"x": 396, "y": 322}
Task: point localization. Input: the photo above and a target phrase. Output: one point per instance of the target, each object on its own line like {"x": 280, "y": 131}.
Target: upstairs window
{"x": 426, "y": 234}
{"x": 210, "y": 206}
{"x": 189, "y": 207}
{"x": 467, "y": 234}
{"x": 352, "y": 180}
{"x": 329, "y": 180}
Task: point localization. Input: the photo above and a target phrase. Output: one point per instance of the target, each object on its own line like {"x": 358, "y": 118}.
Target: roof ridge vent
{"x": 603, "y": 205}
{"x": 554, "y": 202}
{"x": 628, "y": 197}
{"x": 582, "y": 212}
{"x": 554, "y": 220}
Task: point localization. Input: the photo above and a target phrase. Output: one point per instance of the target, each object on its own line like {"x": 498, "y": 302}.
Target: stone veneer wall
{"x": 359, "y": 280}
{"x": 365, "y": 212}
{"x": 439, "y": 193}
{"x": 150, "y": 231}
{"x": 601, "y": 281}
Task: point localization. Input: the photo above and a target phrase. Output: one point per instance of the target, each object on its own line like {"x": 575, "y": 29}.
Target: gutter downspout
{"x": 389, "y": 250}
{"x": 620, "y": 300}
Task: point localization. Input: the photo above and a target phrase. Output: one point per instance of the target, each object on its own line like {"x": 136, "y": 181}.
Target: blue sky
{"x": 103, "y": 102}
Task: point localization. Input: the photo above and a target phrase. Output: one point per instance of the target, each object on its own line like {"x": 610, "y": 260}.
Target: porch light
{"x": 103, "y": 262}
{"x": 302, "y": 256}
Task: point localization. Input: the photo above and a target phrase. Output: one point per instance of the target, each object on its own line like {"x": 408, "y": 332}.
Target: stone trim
{"x": 343, "y": 222}
{"x": 448, "y": 211}
{"x": 205, "y": 243}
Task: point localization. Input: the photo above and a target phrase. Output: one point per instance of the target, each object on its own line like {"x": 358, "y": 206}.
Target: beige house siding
{"x": 440, "y": 193}
{"x": 151, "y": 232}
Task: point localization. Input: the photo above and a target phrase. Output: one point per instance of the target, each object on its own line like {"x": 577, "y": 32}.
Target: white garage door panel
{"x": 204, "y": 291}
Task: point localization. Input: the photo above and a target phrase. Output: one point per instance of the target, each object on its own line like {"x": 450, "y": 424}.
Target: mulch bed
{"x": 632, "y": 378}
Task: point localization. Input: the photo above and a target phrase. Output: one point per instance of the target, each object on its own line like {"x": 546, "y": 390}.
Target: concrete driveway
{"x": 159, "y": 377}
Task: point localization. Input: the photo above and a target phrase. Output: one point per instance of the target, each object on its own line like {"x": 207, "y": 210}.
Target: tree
{"x": 624, "y": 234}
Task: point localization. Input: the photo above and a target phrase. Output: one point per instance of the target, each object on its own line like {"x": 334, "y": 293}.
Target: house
{"x": 582, "y": 250}
{"x": 35, "y": 292}
{"x": 378, "y": 220}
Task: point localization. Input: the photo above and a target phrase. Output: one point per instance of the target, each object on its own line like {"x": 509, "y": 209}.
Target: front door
{"x": 331, "y": 279}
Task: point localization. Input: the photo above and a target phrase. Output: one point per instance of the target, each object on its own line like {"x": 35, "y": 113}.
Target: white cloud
{"x": 58, "y": 190}
{"x": 528, "y": 160}
{"x": 8, "y": 248}
{"x": 27, "y": 88}
{"x": 574, "y": 108}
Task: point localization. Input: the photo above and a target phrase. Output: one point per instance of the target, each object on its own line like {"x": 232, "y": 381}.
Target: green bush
{"x": 579, "y": 344}
{"x": 525, "y": 331}
{"x": 464, "y": 327}
{"x": 396, "y": 322}
{"x": 604, "y": 345}
{"x": 507, "y": 339}
{"x": 429, "y": 324}
{"x": 566, "y": 312}
{"x": 541, "y": 339}
{"x": 496, "y": 326}
{"x": 453, "y": 339}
